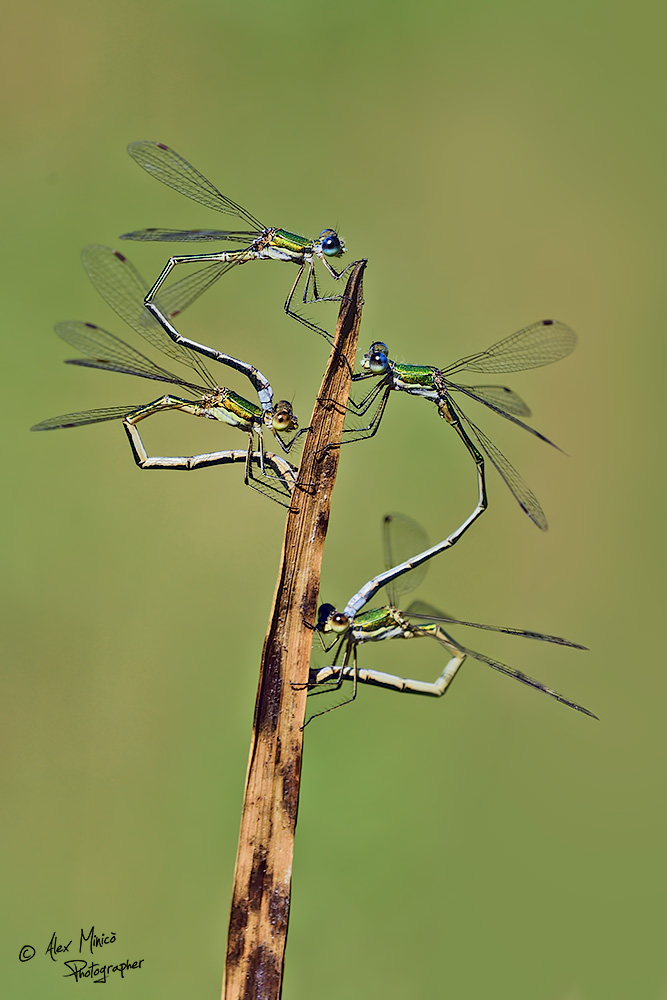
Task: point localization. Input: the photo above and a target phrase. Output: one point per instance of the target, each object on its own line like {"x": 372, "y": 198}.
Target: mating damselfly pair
{"x": 150, "y": 311}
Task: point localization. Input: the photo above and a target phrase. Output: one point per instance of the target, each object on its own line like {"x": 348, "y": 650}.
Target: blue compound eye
{"x": 331, "y": 244}
{"x": 377, "y": 359}
{"x": 377, "y": 362}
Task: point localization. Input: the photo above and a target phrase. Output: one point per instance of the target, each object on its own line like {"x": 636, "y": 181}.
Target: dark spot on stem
{"x": 291, "y": 785}
{"x": 264, "y": 975}
{"x": 279, "y": 904}
{"x": 271, "y": 687}
{"x": 258, "y": 876}
{"x": 238, "y": 921}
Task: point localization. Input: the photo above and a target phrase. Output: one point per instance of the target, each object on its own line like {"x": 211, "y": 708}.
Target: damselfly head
{"x": 331, "y": 243}
{"x": 377, "y": 358}
{"x": 283, "y": 418}
{"x": 330, "y": 620}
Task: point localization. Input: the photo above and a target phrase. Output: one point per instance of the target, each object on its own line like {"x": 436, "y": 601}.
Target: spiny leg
{"x": 359, "y": 409}
{"x": 284, "y": 475}
{"x": 288, "y": 445}
{"x": 371, "y": 428}
{"x": 351, "y": 434}
{"x": 342, "y": 671}
{"x": 364, "y": 404}
{"x": 333, "y": 669}
{"x": 311, "y": 275}
{"x": 250, "y": 451}
{"x": 297, "y": 316}
{"x": 262, "y": 484}
{"x": 336, "y": 275}
{"x": 311, "y": 278}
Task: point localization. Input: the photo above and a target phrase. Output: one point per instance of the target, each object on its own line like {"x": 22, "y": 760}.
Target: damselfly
{"x": 539, "y": 344}
{"x": 353, "y": 627}
{"x": 116, "y": 279}
{"x": 264, "y": 243}
{"x": 278, "y": 484}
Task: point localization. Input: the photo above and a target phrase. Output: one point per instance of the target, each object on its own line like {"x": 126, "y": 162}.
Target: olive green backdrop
{"x": 497, "y": 163}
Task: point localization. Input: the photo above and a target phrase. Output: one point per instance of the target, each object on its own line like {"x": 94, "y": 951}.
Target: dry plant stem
{"x": 263, "y": 875}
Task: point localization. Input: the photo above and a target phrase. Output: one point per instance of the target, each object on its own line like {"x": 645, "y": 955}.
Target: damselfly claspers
{"x": 353, "y": 627}
{"x": 265, "y": 243}
{"x": 539, "y": 344}
{"x": 122, "y": 287}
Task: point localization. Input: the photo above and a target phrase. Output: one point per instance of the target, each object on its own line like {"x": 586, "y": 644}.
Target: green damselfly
{"x": 278, "y": 484}
{"x": 265, "y": 243}
{"x": 353, "y": 627}
{"x": 539, "y": 344}
{"x": 118, "y": 282}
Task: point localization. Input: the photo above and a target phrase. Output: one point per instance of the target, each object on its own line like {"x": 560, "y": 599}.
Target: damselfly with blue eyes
{"x": 353, "y": 627}
{"x": 265, "y": 243}
{"x": 122, "y": 286}
{"x": 540, "y": 344}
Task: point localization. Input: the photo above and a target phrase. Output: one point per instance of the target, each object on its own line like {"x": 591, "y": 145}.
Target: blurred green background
{"x": 497, "y": 163}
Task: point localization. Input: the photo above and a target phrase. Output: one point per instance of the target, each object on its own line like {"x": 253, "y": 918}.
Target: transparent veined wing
{"x": 422, "y": 611}
{"x": 504, "y": 411}
{"x": 124, "y": 289}
{"x": 168, "y": 166}
{"x": 86, "y": 417}
{"x": 109, "y": 353}
{"x": 539, "y": 344}
{"x": 519, "y": 489}
{"x": 156, "y": 235}
{"x": 403, "y": 538}
{"x": 499, "y": 398}
{"x": 518, "y": 675}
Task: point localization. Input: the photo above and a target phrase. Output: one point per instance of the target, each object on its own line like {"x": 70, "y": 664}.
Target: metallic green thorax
{"x": 241, "y": 407}
{"x": 231, "y": 408}
{"x": 389, "y": 623}
{"x": 290, "y": 241}
{"x": 415, "y": 374}
{"x": 375, "y": 619}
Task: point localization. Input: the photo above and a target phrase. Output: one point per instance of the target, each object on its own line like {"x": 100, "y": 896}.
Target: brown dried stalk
{"x": 263, "y": 875}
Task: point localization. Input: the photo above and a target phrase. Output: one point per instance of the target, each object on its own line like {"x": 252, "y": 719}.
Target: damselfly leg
{"x": 264, "y": 243}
